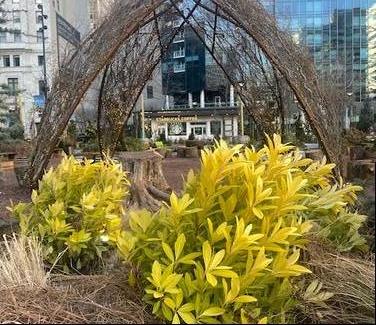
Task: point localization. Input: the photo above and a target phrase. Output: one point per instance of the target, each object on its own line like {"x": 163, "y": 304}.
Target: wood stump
{"x": 191, "y": 152}
{"x": 148, "y": 184}
{"x": 181, "y": 152}
{"x": 361, "y": 169}
{"x": 314, "y": 154}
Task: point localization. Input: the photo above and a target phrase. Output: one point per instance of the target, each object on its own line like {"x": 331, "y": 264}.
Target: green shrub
{"x": 76, "y": 211}
{"x": 131, "y": 144}
{"x": 228, "y": 250}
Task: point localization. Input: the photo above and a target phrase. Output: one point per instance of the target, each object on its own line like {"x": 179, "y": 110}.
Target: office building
{"x": 340, "y": 37}
{"x": 21, "y": 51}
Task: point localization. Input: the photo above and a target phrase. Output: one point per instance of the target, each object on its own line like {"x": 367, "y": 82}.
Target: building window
{"x": 17, "y": 36}
{"x": 39, "y": 36}
{"x": 41, "y": 87}
{"x": 179, "y": 67}
{"x": 3, "y": 37}
{"x": 180, "y": 53}
{"x": 38, "y": 17}
{"x": 177, "y": 129}
{"x": 16, "y": 60}
{"x": 13, "y": 86}
{"x": 40, "y": 60}
{"x": 16, "y": 16}
{"x": 150, "y": 92}
{"x": 179, "y": 37}
{"x": 6, "y": 61}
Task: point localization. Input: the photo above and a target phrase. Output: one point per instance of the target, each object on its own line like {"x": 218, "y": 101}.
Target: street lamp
{"x": 42, "y": 29}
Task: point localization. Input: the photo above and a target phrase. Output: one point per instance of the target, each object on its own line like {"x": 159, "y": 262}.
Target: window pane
{"x": 3, "y": 37}
{"x": 17, "y": 36}
{"x": 16, "y": 16}
{"x": 149, "y": 91}
{"x": 40, "y": 60}
{"x": 16, "y": 60}
{"x": 13, "y": 86}
{"x": 6, "y": 61}
{"x": 41, "y": 87}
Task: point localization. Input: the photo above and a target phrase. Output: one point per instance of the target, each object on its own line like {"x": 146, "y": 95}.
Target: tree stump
{"x": 191, "y": 152}
{"x": 148, "y": 184}
{"x": 181, "y": 152}
{"x": 314, "y": 154}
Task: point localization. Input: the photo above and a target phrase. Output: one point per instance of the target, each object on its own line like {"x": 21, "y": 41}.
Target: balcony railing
{"x": 179, "y": 68}
{"x": 179, "y": 54}
{"x": 179, "y": 38}
{"x": 208, "y": 105}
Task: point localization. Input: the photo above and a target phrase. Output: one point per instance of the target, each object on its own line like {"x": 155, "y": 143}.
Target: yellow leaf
{"x": 213, "y": 312}
{"x": 245, "y": 299}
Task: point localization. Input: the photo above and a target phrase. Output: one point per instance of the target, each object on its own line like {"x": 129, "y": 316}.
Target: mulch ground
{"x": 175, "y": 170}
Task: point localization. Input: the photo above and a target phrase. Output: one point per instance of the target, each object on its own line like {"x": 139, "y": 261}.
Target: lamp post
{"x": 42, "y": 29}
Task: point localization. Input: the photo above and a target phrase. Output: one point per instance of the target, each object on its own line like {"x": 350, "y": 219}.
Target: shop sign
{"x": 177, "y": 119}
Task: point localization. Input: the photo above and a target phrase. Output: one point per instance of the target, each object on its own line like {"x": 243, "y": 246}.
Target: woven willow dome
{"x": 128, "y": 45}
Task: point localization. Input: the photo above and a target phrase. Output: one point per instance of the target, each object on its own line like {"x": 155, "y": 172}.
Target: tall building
{"x": 339, "y": 35}
{"x": 21, "y": 51}
{"x": 199, "y": 100}
{"x": 372, "y": 52}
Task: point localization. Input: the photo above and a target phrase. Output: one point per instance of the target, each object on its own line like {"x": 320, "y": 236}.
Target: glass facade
{"x": 339, "y": 35}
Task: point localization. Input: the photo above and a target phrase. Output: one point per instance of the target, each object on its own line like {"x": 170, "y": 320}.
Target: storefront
{"x": 205, "y": 124}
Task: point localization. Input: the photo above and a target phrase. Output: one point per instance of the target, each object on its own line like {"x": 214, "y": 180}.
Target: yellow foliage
{"x": 228, "y": 250}
{"x": 76, "y": 211}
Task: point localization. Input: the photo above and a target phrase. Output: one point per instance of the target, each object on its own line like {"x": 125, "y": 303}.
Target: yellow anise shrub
{"x": 228, "y": 250}
{"x": 76, "y": 211}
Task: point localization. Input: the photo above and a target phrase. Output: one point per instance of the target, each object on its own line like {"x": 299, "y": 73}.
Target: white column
{"x": 142, "y": 117}
{"x": 202, "y": 99}
{"x": 167, "y": 102}
{"x": 208, "y": 130}
{"x": 232, "y": 96}
{"x": 190, "y": 100}
{"x": 241, "y": 118}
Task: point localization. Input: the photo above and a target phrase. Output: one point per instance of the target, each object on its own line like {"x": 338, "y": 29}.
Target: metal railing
{"x": 179, "y": 54}
{"x": 179, "y": 67}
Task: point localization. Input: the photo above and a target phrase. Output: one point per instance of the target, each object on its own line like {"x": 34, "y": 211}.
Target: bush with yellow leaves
{"x": 228, "y": 250}
{"x": 76, "y": 212}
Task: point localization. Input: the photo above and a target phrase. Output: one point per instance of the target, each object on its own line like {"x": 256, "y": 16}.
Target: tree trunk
{"x": 148, "y": 184}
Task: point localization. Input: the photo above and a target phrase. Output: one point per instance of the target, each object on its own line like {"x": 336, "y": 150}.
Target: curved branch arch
{"x": 101, "y": 48}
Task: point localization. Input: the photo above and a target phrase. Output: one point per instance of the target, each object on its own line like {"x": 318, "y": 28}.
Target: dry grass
{"x": 80, "y": 299}
{"x": 21, "y": 263}
{"x": 351, "y": 278}
{"x": 28, "y": 294}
